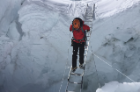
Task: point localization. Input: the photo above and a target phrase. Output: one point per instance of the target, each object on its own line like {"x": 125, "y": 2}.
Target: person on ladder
{"x": 78, "y": 41}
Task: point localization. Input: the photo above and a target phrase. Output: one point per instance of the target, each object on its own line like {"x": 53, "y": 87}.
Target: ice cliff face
{"x": 8, "y": 14}
{"x": 118, "y": 45}
{"x": 41, "y": 28}
{"x": 121, "y": 46}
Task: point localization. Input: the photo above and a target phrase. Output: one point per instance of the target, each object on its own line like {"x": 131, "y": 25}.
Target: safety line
{"x": 114, "y": 68}
{"x": 97, "y": 74}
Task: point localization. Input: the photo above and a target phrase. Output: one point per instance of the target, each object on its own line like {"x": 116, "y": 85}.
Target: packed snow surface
{"x": 35, "y": 45}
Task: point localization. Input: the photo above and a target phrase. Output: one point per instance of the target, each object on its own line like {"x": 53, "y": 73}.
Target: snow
{"x": 107, "y": 8}
{"x": 120, "y": 87}
{"x": 35, "y": 45}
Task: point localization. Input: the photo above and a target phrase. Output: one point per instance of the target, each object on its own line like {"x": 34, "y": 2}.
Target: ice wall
{"x": 8, "y": 14}
{"x": 36, "y": 47}
{"x": 35, "y": 61}
{"x": 9, "y": 34}
{"x": 118, "y": 45}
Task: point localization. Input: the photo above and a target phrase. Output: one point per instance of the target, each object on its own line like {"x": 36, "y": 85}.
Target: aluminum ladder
{"x": 89, "y": 17}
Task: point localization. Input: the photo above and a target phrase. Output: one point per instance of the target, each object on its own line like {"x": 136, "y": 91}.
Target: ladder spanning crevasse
{"x": 89, "y": 17}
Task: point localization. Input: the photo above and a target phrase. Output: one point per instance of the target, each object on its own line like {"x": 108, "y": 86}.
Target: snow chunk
{"x": 120, "y": 87}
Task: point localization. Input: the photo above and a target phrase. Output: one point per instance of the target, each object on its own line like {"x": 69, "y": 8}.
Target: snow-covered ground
{"x": 35, "y": 45}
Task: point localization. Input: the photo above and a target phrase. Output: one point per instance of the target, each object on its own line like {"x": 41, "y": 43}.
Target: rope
{"x": 114, "y": 68}
{"x": 97, "y": 74}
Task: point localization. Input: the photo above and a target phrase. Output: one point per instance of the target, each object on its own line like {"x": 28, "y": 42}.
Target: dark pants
{"x": 81, "y": 53}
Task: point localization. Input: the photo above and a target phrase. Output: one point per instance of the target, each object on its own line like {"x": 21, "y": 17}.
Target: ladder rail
{"x": 86, "y": 56}
{"x": 68, "y": 82}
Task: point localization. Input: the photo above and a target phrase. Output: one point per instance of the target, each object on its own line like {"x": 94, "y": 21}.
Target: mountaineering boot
{"x": 73, "y": 69}
{"x": 81, "y": 66}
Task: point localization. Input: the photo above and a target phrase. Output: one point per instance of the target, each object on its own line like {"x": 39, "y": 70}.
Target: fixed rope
{"x": 114, "y": 68}
{"x": 97, "y": 74}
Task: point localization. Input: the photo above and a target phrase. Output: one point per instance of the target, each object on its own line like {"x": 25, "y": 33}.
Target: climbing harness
{"x": 81, "y": 40}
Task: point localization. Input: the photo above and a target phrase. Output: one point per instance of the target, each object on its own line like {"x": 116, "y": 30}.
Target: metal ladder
{"x": 89, "y": 17}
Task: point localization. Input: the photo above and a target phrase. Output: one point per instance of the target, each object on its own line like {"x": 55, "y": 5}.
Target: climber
{"x": 78, "y": 41}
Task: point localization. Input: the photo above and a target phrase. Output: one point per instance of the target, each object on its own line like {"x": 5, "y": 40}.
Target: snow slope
{"x": 34, "y": 58}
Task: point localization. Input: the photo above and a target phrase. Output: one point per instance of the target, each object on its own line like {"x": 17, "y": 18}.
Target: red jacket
{"x": 78, "y": 35}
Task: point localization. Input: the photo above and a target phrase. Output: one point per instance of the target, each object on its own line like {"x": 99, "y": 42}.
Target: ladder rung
{"x": 75, "y": 82}
{"x": 77, "y": 74}
{"x": 87, "y": 17}
{"x": 84, "y": 55}
{"x": 90, "y": 13}
{"x": 86, "y": 49}
{"x": 69, "y": 91}
{"x": 87, "y": 21}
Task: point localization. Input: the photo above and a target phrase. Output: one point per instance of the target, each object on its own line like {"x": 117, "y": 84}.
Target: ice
{"x": 35, "y": 45}
{"x": 125, "y": 34}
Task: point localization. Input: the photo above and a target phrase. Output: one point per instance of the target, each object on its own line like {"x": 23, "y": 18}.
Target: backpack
{"x": 76, "y": 24}
{"x": 84, "y": 38}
